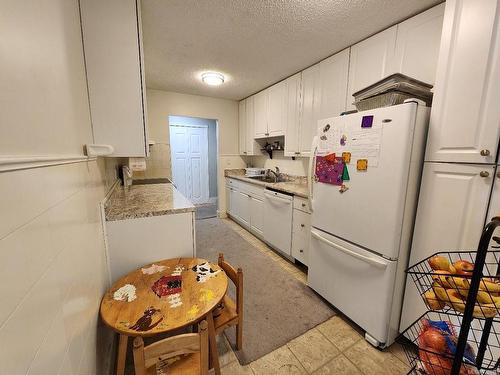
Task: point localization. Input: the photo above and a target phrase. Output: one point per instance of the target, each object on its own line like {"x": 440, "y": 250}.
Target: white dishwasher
{"x": 278, "y": 209}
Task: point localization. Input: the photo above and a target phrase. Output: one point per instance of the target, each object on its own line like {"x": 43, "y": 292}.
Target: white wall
{"x": 53, "y": 271}
{"x": 162, "y": 104}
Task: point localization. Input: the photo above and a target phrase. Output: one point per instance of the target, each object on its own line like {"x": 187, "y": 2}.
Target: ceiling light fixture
{"x": 212, "y": 78}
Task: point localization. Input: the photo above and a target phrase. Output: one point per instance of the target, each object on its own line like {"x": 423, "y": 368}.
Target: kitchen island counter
{"x": 145, "y": 201}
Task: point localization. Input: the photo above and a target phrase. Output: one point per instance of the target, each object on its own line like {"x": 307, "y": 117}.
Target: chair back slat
{"x": 236, "y": 277}
{"x": 149, "y": 356}
{"x": 230, "y": 271}
{"x": 173, "y": 346}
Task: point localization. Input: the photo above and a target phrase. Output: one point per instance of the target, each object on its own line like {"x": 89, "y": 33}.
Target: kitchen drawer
{"x": 302, "y": 204}
{"x": 300, "y": 248}
{"x": 255, "y": 191}
{"x": 300, "y": 236}
{"x": 301, "y": 222}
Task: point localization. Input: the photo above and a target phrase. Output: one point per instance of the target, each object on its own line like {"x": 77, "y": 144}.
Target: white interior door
{"x": 189, "y": 149}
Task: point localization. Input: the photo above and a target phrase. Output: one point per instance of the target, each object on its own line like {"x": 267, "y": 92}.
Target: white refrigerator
{"x": 361, "y": 233}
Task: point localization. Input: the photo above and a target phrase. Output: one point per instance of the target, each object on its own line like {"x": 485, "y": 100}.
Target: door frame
{"x": 171, "y": 151}
{"x": 219, "y": 169}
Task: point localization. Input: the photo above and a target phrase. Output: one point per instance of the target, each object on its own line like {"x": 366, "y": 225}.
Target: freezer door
{"x": 370, "y": 213}
{"x": 357, "y": 282}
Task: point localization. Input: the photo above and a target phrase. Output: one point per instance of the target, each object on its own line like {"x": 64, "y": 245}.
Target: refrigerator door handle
{"x": 372, "y": 261}
{"x": 312, "y": 165}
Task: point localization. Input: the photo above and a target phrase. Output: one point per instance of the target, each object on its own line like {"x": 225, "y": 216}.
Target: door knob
{"x": 484, "y": 173}
{"x": 485, "y": 152}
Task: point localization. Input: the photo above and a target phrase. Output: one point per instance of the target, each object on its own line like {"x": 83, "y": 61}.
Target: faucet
{"x": 275, "y": 173}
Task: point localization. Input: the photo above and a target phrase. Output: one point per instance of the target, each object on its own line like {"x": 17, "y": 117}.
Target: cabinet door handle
{"x": 303, "y": 204}
{"x": 485, "y": 152}
{"x": 297, "y": 153}
{"x": 484, "y": 173}
{"x": 301, "y": 251}
{"x": 302, "y": 225}
{"x": 498, "y": 174}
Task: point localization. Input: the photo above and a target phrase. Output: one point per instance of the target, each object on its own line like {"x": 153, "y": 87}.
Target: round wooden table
{"x": 162, "y": 297}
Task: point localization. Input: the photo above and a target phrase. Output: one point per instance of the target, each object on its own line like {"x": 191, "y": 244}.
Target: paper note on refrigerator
{"x": 365, "y": 144}
{"x": 362, "y": 143}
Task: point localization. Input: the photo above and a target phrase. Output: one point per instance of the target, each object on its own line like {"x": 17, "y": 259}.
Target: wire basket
{"x": 429, "y": 348}
{"x": 443, "y": 281}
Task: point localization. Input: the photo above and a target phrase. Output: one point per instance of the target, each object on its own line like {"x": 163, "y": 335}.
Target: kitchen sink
{"x": 264, "y": 179}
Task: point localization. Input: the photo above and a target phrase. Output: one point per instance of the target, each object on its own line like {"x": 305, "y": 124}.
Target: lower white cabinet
{"x": 246, "y": 205}
{"x": 168, "y": 236}
{"x": 257, "y": 215}
{"x": 301, "y": 235}
{"x": 243, "y": 205}
{"x": 228, "y": 199}
{"x": 234, "y": 202}
{"x": 452, "y": 207}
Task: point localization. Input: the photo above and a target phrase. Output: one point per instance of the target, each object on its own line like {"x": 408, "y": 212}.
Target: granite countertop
{"x": 294, "y": 185}
{"x": 145, "y": 201}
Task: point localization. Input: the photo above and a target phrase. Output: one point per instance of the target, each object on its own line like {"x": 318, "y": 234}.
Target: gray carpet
{"x": 206, "y": 211}
{"x": 277, "y": 308}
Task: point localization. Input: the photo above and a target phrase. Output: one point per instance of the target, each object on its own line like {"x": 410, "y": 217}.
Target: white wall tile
{"x": 24, "y": 331}
{"x": 23, "y": 198}
{"x": 24, "y": 256}
{"x": 48, "y": 358}
{"x": 53, "y": 272}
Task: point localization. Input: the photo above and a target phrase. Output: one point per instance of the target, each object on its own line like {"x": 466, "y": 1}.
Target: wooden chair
{"x": 231, "y": 313}
{"x": 188, "y": 354}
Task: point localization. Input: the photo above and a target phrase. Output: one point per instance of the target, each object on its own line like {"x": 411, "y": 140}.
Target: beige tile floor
{"x": 334, "y": 347}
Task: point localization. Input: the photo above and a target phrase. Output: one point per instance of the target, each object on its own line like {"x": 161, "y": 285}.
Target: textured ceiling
{"x": 254, "y": 43}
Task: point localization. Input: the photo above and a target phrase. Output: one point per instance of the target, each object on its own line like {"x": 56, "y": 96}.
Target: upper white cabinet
{"x": 277, "y": 111}
{"x": 261, "y": 101}
{"x": 333, "y": 73}
{"x": 247, "y": 144}
{"x": 310, "y": 104}
{"x": 371, "y": 60}
{"x": 115, "y": 74}
{"x": 242, "y": 127}
{"x": 319, "y": 92}
{"x": 417, "y": 44}
{"x": 293, "y": 106}
{"x": 270, "y": 111}
{"x": 293, "y": 115}
{"x": 465, "y": 115}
